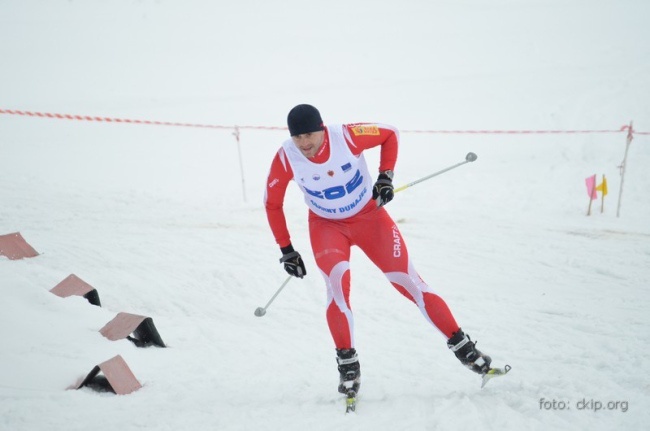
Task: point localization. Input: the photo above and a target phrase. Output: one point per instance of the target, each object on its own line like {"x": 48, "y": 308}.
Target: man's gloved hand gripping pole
{"x": 292, "y": 261}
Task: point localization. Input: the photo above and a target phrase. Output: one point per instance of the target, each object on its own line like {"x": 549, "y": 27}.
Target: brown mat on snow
{"x": 118, "y": 377}
{"x": 73, "y": 285}
{"x": 15, "y": 247}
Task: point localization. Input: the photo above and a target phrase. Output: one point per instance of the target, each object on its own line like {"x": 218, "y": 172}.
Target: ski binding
{"x": 351, "y": 401}
{"x": 495, "y": 372}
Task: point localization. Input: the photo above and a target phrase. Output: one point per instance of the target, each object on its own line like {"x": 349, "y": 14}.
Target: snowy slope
{"x": 164, "y": 223}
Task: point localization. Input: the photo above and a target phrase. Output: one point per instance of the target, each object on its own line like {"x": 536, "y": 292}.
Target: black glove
{"x": 382, "y": 191}
{"x": 293, "y": 263}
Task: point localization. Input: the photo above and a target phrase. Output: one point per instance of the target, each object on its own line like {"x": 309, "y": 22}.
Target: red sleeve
{"x": 362, "y": 136}
{"x": 276, "y": 187}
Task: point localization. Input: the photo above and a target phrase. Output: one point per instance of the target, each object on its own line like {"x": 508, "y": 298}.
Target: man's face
{"x": 309, "y": 143}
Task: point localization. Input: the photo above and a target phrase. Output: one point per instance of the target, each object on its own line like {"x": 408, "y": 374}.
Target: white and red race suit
{"x": 337, "y": 186}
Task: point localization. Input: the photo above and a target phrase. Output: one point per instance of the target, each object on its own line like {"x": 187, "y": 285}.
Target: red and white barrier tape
{"x": 512, "y": 132}
{"x": 126, "y": 120}
{"x": 625, "y": 128}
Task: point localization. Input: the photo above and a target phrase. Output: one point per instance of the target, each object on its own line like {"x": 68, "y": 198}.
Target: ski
{"x": 351, "y": 395}
{"x": 494, "y": 372}
{"x": 350, "y": 401}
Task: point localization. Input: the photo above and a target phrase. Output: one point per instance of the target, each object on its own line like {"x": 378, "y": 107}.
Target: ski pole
{"x": 470, "y": 157}
{"x": 261, "y": 311}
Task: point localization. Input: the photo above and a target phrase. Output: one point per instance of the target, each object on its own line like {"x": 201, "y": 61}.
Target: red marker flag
{"x": 591, "y": 187}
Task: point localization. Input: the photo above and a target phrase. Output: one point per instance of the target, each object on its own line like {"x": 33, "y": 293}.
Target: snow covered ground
{"x": 164, "y": 223}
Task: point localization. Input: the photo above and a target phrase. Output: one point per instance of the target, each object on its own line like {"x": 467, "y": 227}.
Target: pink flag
{"x": 591, "y": 187}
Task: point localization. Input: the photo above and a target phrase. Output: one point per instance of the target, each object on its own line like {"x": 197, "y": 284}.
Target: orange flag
{"x": 602, "y": 187}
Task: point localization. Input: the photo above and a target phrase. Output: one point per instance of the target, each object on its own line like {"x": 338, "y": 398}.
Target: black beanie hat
{"x": 304, "y": 119}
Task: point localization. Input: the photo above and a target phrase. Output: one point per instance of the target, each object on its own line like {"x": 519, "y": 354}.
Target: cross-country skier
{"x": 346, "y": 208}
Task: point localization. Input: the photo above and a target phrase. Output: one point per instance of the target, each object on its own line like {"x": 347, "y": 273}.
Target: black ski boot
{"x": 466, "y": 351}
{"x": 349, "y": 369}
